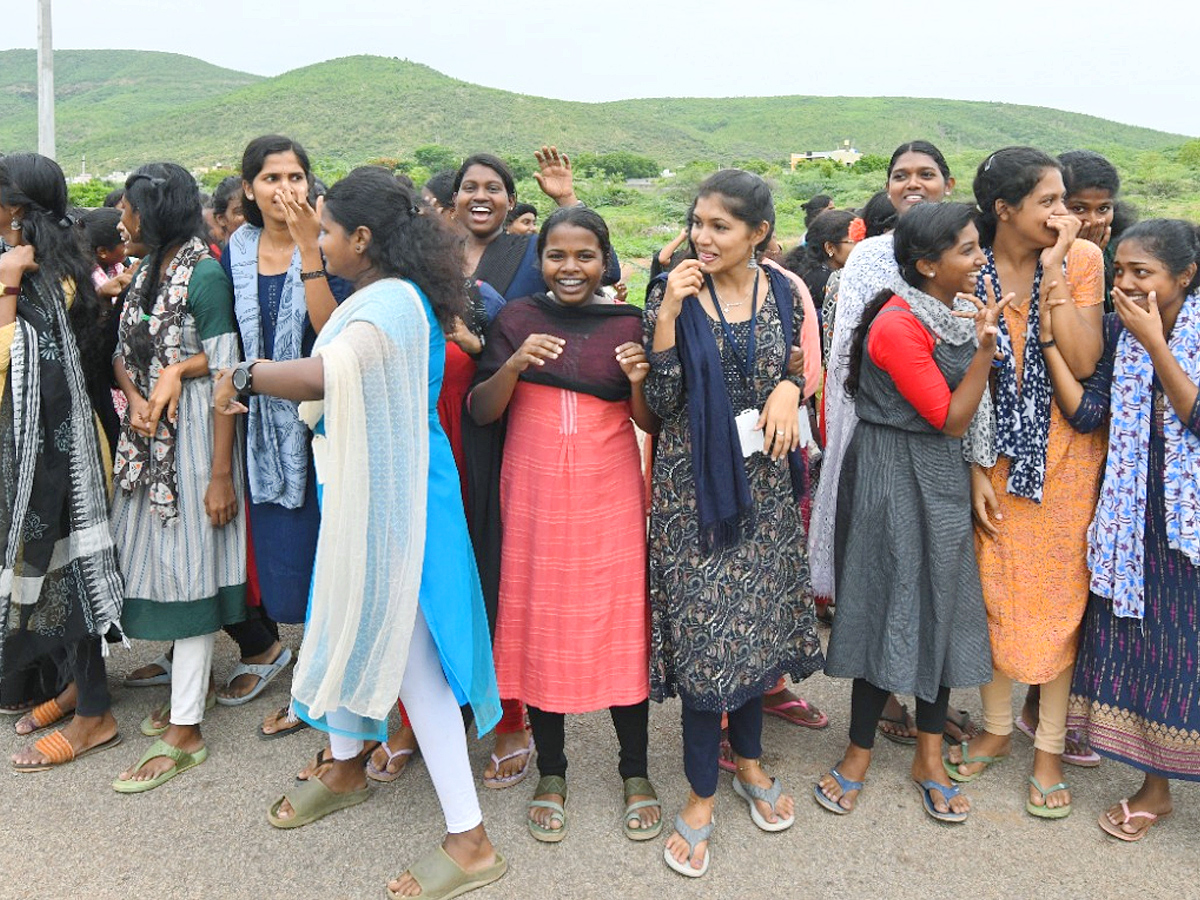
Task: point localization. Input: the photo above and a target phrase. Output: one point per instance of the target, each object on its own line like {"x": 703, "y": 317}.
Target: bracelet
{"x": 1046, "y": 345}
{"x": 315, "y": 273}
{"x": 7, "y": 290}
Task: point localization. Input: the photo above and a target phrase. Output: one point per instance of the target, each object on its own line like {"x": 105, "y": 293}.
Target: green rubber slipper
{"x": 952, "y": 769}
{"x": 551, "y": 784}
{"x": 311, "y": 801}
{"x": 633, "y": 787}
{"x": 1046, "y": 812}
{"x": 183, "y": 762}
{"x": 149, "y": 729}
{"x": 441, "y": 878}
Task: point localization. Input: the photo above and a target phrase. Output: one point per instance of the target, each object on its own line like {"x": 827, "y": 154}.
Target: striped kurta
{"x": 188, "y": 578}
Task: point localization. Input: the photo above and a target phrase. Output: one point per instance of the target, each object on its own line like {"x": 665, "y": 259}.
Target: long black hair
{"x": 1010, "y": 175}
{"x": 167, "y": 200}
{"x": 879, "y": 215}
{"x": 925, "y": 232}
{"x": 830, "y": 227}
{"x": 405, "y": 243}
{"x": 745, "y": 195}
{"x": 37, "y": 185}
{"x": 254, "y": 157}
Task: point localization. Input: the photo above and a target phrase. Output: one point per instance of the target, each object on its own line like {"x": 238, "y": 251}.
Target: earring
{"x": 15, "y": 226}
{"x": 752, "y": 263}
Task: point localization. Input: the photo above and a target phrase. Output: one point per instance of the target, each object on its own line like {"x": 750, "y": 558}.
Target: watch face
{"x": 241, "y": 379}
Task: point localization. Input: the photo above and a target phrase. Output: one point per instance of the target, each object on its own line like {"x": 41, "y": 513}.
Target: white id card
{"x": 752, "y": 440}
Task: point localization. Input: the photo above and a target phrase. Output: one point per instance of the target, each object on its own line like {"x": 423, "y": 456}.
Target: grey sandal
{"x": 693, "y": 836}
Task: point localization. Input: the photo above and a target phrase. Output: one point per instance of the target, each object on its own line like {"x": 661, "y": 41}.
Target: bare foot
{"x": 66, "y": 702}
{"x": 896, "y": 721}
{"x": 928, "y": 770}
{"x": 1048, "y": 770}
{"x": 797, "y": 710}
{"x": 160, "y": 717}
{"x": 986, "y": 744}
{"x": 82, "y": 733}
{"x": 749, "y": 771}
{"x": 853, "y": 767}
{"x": 471, "y": 850}
{"x": 549, "y": 819}
{"x": 340, "y": 776}
{"x": 246, "y": 682}
{"x": 507, "y": 744}
{"x": 186, "y": 737}
{"x": 697, "y": 814}
{"x": 150, "y": 670}
{"x": 1154, "y": 796}
{"x": 390, "y": 758}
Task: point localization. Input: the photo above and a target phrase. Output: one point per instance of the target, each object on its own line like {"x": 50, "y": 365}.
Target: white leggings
{"x": 191, "y": 666}
{"x": 438, "y": 724}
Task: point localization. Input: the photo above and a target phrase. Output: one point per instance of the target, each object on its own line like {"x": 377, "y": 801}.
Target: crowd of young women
{"x": 386, "y": 417}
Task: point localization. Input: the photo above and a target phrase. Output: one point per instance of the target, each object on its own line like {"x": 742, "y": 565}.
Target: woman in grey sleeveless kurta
{"x": 910, "y": 608}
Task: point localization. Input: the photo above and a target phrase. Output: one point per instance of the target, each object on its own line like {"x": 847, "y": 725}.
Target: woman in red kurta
{"x": 572, "y": 631}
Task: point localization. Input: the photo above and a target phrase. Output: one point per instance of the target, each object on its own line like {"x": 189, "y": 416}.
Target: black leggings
{"x": 255, "y": 635}
{"x": 866, "y": 706}
{"x": 630, "y": 722}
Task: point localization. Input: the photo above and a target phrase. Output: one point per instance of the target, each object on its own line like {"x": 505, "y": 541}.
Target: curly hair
{"x": 405, "y": 243}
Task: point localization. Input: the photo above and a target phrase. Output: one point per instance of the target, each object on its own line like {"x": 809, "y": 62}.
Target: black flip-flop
{"x": 299, "y": 725}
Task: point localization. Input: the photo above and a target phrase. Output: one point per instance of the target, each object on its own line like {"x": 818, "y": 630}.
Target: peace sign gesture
{"x": 986, "y": 315}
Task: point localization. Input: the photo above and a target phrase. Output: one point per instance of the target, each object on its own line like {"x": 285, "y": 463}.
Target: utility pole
{"x": 45, "y": 62}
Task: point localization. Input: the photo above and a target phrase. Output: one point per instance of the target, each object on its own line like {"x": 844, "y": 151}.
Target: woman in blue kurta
{"x": 381, "y": 620}
{"x": 1135, "y": 696}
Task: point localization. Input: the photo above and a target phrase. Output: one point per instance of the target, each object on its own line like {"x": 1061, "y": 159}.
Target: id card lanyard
{"x": 743, "y": 358}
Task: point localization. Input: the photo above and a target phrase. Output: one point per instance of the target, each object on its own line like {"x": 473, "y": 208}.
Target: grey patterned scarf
{"x": 979, "y": 443}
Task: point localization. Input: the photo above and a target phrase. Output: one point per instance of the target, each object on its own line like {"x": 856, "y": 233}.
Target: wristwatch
{"x": 243, "y": 378}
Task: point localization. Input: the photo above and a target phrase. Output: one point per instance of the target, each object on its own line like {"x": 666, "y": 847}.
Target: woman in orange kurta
{"x": 1034, "y": 506}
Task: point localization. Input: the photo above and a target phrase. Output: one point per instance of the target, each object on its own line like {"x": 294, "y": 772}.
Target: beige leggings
{"x": 1052, "y": 712}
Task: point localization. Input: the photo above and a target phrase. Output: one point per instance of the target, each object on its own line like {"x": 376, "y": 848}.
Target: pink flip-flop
{"x": 1115, "y": 829}
{"x": 1088, "y": 760}
{"x": 498, "y": 783}
{"x": 385, "y": 775}
{"x": 779, "y": 711}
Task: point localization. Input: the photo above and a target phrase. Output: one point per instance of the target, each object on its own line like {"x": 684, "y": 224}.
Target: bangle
{"x": 1046, "y": 345}
{"x": 315, "y": 273}
{"x": 8, "y": 290}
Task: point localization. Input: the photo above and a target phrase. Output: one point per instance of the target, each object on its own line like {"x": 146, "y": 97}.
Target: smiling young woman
{"x": 1133, "y": 693}
{"x": 729, "y": 593}
{"x": 1033, "y": 506}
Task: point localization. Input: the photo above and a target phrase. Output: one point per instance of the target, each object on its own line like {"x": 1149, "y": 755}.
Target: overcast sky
{"x": 1135, "y": 64}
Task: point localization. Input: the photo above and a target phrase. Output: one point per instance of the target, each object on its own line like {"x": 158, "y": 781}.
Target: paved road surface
{"x": 66, "y": 834}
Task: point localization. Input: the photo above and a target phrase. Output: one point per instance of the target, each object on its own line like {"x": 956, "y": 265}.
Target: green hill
{"x": 126, "y": 107}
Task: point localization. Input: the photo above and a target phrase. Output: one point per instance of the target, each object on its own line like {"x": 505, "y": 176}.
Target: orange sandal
{"x": 42, "y": 716}
{"x": 58, "y": 751}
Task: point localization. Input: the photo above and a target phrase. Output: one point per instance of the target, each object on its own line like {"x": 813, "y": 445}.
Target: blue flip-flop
{"x": 846, "y": 785}
{"x": 948, "y": 791}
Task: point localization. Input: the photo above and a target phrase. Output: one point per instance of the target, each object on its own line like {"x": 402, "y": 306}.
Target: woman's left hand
{"x": 780, "y": 421}
{"x": 303, "y": 222}
{"x": 15, "y": 263}
{"x": 1144, "y": 324}
{"x": 466, "y": 339}
{"x": 631, "y": 357}
{"x": 225, "y": 395}
{"x": 220, "y": 501}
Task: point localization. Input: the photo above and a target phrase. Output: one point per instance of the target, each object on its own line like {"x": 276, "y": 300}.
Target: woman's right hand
{"x": 15, "y": 263}
{"x": 535, "y": 350}
{"x": 984, "y": 504}
{"x": 685, "y": 280}
{"x": 225, "y": 400}
{"x": 137, "y": 414}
